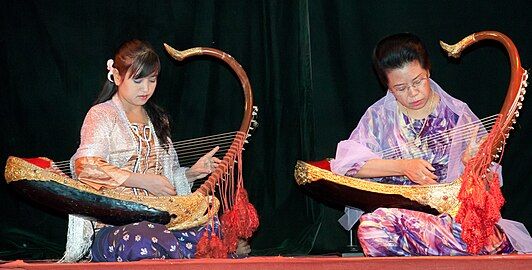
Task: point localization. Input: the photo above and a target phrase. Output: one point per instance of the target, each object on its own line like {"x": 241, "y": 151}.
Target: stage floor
{"x": 503, "y": 262}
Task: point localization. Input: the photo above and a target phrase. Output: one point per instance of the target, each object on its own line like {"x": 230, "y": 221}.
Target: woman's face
{"x": 410, "y": 85}
{"x": 136, "y": 92}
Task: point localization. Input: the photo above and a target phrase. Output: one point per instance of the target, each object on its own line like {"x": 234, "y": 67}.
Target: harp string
{"x": 460, "y": 133}
{"x": 196, "y": 148}
{"x": 176, "y": 145}
{"x": 420, "y": 152}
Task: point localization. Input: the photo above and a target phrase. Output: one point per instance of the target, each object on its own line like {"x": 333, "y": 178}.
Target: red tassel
{"x": 481, "y": 200}
{"x": 496, "y": 193}
{"x": 229, "y": 220}
{"x": 239, "y": 222}
{"x": 210, "y": 246}
{"x": 248, "y": 219}
{"x": 470, "y": 235}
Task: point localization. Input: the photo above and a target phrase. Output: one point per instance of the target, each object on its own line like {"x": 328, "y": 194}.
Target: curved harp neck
{"x": 516, "y": 88}
{"x": 236, "y": 147}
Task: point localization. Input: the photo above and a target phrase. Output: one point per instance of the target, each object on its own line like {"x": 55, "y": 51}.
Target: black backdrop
{"x": 310, "y": 68}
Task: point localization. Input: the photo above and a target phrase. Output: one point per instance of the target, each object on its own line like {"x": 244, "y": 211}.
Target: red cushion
{"x": 322, "y": 164}
{"x": 41, "y": 162}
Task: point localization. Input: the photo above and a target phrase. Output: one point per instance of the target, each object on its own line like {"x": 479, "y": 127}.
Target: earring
{"x": 110, "y": 67}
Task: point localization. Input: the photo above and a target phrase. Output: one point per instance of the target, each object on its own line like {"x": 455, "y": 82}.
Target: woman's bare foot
{"x": 243, "y": 249}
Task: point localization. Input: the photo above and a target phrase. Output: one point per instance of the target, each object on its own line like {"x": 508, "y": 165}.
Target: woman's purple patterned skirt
{"x": 401, "y": 232}
{"x": 145, "y": 240}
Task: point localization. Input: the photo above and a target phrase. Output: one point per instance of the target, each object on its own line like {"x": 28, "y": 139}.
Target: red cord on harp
{"x": 480, "y": 196}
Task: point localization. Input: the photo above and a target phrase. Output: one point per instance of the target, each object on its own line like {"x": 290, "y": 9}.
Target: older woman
{"x": 416, "y": 134}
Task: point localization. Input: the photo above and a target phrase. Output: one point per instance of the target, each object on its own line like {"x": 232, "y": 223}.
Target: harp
{"x": 40, "y": 180}
{"x": 319, "y": 182}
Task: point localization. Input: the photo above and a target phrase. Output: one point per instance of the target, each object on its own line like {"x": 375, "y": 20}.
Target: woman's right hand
{"x": 419, "y": 171}
{"x": 155, "y": 184}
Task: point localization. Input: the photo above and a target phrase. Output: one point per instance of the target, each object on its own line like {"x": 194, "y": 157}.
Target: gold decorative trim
{"x": 186, "y": 211}
{"x": 442, "y": 197}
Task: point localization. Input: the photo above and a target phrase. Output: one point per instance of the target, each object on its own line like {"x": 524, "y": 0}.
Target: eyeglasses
{"x": 416, "y": 84}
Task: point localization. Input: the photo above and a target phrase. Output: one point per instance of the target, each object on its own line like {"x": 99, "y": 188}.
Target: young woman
{"x": 125, "y": 145}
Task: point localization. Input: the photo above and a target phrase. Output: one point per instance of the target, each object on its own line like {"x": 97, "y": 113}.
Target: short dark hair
{"x": 397, "y": 50}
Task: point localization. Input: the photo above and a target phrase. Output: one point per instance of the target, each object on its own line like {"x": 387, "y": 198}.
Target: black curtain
{"x": 309, "y": 63}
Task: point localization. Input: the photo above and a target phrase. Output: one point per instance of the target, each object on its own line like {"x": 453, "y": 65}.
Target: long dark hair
{"x": 139, "y": 58}
{"x": 397, "y": 50}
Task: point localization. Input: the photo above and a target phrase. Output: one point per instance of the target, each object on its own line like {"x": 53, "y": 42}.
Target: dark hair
{"x": 397, "y": 50}
{"x": 139, "y": 58}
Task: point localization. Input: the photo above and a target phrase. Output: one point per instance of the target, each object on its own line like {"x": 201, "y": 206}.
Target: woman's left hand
{"x": 472, "y": 147}
{"x": 204, "y": 166}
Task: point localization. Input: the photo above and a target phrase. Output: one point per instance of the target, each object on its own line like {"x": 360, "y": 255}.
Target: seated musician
{"x": 403, "y": 139}
{"x": 125, "y": 146}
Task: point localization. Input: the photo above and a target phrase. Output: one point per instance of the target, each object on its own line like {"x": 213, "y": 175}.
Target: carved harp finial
{"x": 180, "y": 55}
{"x": 455, "y": 49}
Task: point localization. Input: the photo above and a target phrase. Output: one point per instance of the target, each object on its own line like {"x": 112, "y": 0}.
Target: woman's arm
{"x": 204, "y": 166}
{"x": 155, "y": 184}
{"x": 418, "y": 170}
{"x": 98, "y": 173}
